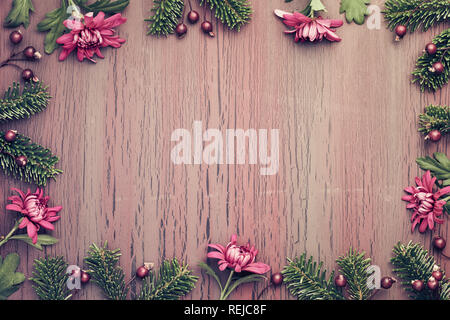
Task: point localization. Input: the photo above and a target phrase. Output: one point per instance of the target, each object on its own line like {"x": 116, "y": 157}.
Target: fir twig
{"x": 415, "y": 14}
{"x": 17, "y": 105}
{"x": 306, "y": 280}
{"x": 435, "y": 118}
{"x": 354, "y": 267}
{"x": 105, "y": 272}
{"x": 424, "y": 75}
{"x": 173, "y": 282}
{"x": 50, "y": 279}
{"x": 233, "y": 13}
{"x": 40, "y": 166}
{"x": 164, "y": 19}
{"x": 412, "y": 262}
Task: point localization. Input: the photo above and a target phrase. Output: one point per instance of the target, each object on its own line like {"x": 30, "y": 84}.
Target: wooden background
{"x": 348, "y": 143}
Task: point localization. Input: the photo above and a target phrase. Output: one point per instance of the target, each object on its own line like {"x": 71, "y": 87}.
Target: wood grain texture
{"x": 348, "y": 142}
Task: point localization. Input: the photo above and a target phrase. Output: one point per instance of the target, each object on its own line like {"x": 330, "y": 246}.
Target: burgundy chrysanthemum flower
{"x": 239, "y": 258}
{"x": 310, "y": 29}
{"x": 35, "y": 209}
{"x": 425, "y": 203}
{"x": 90, "y": 36}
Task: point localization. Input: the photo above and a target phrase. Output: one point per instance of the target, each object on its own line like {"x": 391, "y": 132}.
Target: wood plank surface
{"x": 348, "y": 143}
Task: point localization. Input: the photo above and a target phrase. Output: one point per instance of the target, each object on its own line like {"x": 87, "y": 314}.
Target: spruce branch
{"x": 165, "y": 17}
{"x": 17, "y": 105}
{"x": 173, "y": 282}
{"x": 50, "y": 279}
{"x": 306, "y": 280}
{"x": 435, "y": 118}
{"x": 105, "y": 272}
{"x": 354, "y": 267}
{"x": 415, "y": 14}
{"x": 424, "y": 74}
{"x": 233, "y": 13}
{"x": 41, "y": 162}
{"x": 412, "y": 262}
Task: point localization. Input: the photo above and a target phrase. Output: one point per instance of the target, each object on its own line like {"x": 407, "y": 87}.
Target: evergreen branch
{"x": 354, "y": 267}
{"x": 173, "y": 282}
{"x": 435, "y": 118}
{"x": 415, "y": 14}
{"x": 19, "y": 14}
{"x": 424, "y": 75}
{"x": 306, "y": 280}
{"x": 445, "y": 291}
{"x": 233, "y": 13}
{"x": 50, "y": 279}
{"x": 412, "y": 262}
{"x": 40, "y": 161}
{"x": 16, "y": 105}
{"x": 103, "y": 268}
{"x": 165, "y": 17}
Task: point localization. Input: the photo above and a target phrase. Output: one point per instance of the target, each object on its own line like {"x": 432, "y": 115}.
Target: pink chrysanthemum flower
{"x": 89, "y": 35}
{"x": 425, "y": 203}
{"x": 35, "y": 210}
{"x": 239, "y": 258}
{"x": 310, "y": 29}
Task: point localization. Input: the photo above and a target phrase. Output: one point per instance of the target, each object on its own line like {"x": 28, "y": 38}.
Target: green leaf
{"x": 10, "y": 280}
{"x": 313, "y": 7}
{"x": 19, "y": 14}
{"x": 211, "y": 272}
{"x": 242, "y": 280}
{"x": 53, "y": 25}
{"x": 43, "y": 240}
{"x": 107, "y": 6}
{"x": 355, "y": 10}
{"x": 439, "y": 166}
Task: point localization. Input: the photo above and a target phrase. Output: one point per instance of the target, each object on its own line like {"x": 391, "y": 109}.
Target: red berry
{"x": 400, "y": 31}
{"x": 432, "y": 284}
{"x": 438, "y": 275}
{"x": 193, "y": 16}
{"x": 437, "y": 68}
{"x": 439, "y": 243}
{"x": 340, "y": 281}
{"x": 434, "y": 135}
{"x": 21, "y": 161}
{"x": 207, "y": 27}
{"x": 387, "y": 282}
{"x": 142, "y": 272}
{"x": 16, "y": 37}
{"x": 417, "y": 285}
{"x": 29, "y": 52}
{"x": 10, "y": 135}
{"x": 181, "y": 30}
{"x": 85, "y": 277}
{"x": 431, "y": 48}
{"x": 27, "y": 74}
{"x": 277, "y": 279}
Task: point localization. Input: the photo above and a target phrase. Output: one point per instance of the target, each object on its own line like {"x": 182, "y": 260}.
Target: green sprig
{"x": 40, "y": 161}
{"x": 173, "y": 281}
{"x": 17, "y": 105}
{"x": 165, "y": 17}
{"x": 19, "y": 14}
{"x": 50, "y": 278}
{"x": 233, "y": 13}
{"x": 424, "y": 74}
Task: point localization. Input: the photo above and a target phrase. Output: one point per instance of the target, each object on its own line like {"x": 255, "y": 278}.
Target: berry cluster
{"x": 193, "y": 17}
{"x": 29, "y": 54}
